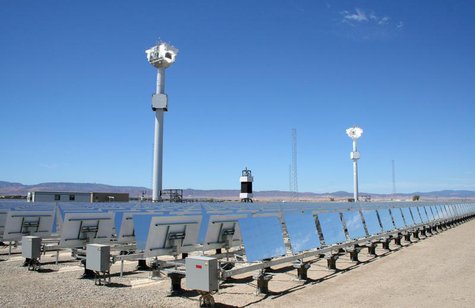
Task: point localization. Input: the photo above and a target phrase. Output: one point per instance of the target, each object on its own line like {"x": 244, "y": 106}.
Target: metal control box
{"x": 98, "y": 257}
{"x": 31, "y": 247}
{"x": 202, "y": 273}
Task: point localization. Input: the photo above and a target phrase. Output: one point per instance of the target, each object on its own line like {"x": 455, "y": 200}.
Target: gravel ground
{"x": 437, "y": 271}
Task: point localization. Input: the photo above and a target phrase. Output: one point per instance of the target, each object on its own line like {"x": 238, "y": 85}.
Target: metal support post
{"x": 262, "y": 282}
{"x": 354, "y": 254}
{"x": 155, "y": 266}
{"x": 372, "y": 249}
{"x": 397, "y": 239}
{"x": 88, "y": 274}
{"x": 142, "y": 265}
{"x": 33, "y": 264}
{"x": 302, "y": 269}
{"x": 331, "y": 261}
{"x": 175, "y": 278}
{"x": 102, "y": 276}
{"x": 423, "y": 232}
{"x": 26, "y": 262}
{"x": 206, "y": 299}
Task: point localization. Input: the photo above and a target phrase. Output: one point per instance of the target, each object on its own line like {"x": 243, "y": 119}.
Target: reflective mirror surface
{"x": 442, "y": 212}
{"x": 435, "y": 212}
{"x": 415, "y": 215}
{"x": 449, "y": 211}
{"x": 262, "y": 237}
{"x": 332, "y": 228}
{"x": 302, "y": 231}
{"x": 407, "y": 216}
{"x": 386, "y": 220}
{"x": 372, "y": 223}
{"x": 430, "y": 216}
{"x": 396, "y": 212}
{"x": 354, "y": 224}
{"x": 422, "y": 213}
{"x": 142, "y": 227}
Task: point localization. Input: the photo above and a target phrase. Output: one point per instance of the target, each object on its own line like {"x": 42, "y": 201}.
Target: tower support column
{"x": 158, "y": 138}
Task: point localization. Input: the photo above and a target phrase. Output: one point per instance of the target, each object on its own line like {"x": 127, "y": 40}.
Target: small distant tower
{"x": 355, "y": 133}
{"x": 161, "y": 57}
{"x": 246, "y": 180}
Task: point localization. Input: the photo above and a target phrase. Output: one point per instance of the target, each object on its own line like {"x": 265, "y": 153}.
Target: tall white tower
{"x": 355, "y": 133}
{"x": 160, "y": 56}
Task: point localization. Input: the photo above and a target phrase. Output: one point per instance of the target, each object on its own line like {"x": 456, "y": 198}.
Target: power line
{"x": 394, "y": 176}
{"x": 290, "y": 182}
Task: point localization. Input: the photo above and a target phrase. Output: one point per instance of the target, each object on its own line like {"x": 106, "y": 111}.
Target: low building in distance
{"x": 63, "y": 196}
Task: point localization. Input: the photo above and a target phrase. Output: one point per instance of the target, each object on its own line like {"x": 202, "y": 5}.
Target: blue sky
{"x": 75, "y": 92}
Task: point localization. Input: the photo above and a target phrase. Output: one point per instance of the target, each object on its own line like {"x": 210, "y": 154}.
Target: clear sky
{"x": 75, "y": 92}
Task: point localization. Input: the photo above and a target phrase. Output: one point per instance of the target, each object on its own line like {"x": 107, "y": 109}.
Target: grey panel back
{"x": 19, "y": 223}
{"x": 222, "y": 231}
{"x": 163, "y": 230}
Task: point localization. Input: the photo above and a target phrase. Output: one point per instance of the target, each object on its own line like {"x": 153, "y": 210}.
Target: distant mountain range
{"x": 9, "y": 189}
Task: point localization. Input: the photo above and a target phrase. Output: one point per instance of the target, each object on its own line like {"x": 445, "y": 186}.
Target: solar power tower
{"x": 355, "y": 133}
{"x": 160, "y": 56}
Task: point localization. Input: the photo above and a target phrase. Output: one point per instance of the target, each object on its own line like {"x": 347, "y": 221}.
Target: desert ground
{"x": 437, "y": 271}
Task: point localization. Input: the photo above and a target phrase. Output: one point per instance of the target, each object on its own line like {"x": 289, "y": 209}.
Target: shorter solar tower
{"x": 355, "y": 133}
{"x": 246, "y": 180}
